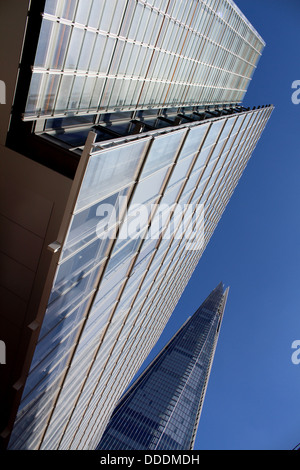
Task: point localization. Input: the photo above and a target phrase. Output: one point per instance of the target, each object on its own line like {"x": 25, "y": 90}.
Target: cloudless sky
{"x": 253, "y": 395}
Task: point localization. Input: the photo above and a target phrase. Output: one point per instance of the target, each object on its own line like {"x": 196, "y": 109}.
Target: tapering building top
{"x": 162, "y": 409}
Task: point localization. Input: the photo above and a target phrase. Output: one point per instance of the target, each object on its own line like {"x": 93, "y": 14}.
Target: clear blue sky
{"x": 252, "y": 401}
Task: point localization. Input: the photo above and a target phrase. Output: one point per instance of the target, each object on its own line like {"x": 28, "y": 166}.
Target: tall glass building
{"x": 129, "y": 138}
{"x": 111, "y": 292}
{"x": 161, "y": 410}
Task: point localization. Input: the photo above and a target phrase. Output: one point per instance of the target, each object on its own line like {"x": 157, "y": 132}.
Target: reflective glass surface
{"x": 101, "y": 55}
{"x": 112, "y": 295}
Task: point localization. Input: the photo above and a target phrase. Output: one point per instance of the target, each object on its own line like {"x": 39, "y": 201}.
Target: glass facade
{"x": 119, "y": 276}
{"x": 97, "y": 56}
{"x": 141, "y": 97}
{"x": 161, "y": 410}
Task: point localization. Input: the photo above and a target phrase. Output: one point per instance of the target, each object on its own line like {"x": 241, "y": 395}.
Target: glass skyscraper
{"x": 161, "y": 410}
{"x": 130, "y": 138}
{"x": 112, "y": 293}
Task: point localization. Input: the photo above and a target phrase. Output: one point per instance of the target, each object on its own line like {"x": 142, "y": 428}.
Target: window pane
{"x": 42, "y": 50}
{"x": 64, "y": 93}
{"x": 76, "y": 93}
{"x": 51, "y": 6}
{"x": 97, "y": 53}
{"x": 149, "y": 188}
{"x": 86, "y": 51}
{"x": 95, "y": 220}
{"x": 110, "y": 170}
{"x": 83, "y": 11}
{"x": 62, "y": 39}
{"x": 193, "y": 141}
{"x": 74, "y": 49}
{"x": 163, "y": 152}
{"x": 180, "y": 170}
{"x": 213, "y": 133}
{"x": 68, "y": 8}
{"x": 52, "y": 82}
{"x": 34, "y": 93}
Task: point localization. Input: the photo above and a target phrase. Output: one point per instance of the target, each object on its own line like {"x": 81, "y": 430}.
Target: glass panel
{"x": 83, "y": 11}
{"x": 230, "y": 124}
{"x": 163, "y": 151}
{"x": 110, "y": 170}
{"x": 51, "y": 86}
{"x": 43, "y": 377}
{"x": 115, "y": 273}
{"x": 98, "y": 316}
{"x": 97, "y": 93}
{"x": 209, "y": 169}
{"x": 68, "y": 8}
{"x": 107, "y": 55}
{"x": 97, "y": 53}
{"x": 62, "y": 38}
{"x": 190, "y": 185}
{"x": 180, "y": 170}
{"x": 94, "y": 221}
{"x": 96, "y": 13}
{"x": 72, "y": 270}
{"x": 74, "y": 49}
{"x": 148, "y": 189}
{"x": 147, "y": 248}
{"x": 86, "y": 51}
{"x": 51, "y": 6}
{"x": 213, "y": 133}
{"x": 32, "y": 107}
{"x": 121, "y": 255}
{"x": 202, "y": 158}
{"x": 64, "y": 304}
{"x": 159, "y": 221}
{"x": 171, "y": 194}
{"x": 87, "y": 93}
{"x": 26, "y": 415}
{"x": 76, "y": 93}
{"x": 117, "y": 16}
{"x": 193, "y": 141}
{"x": 64, "y": 93}
{"x": 58, "y": 341}
{"x": 43, "y": 46}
